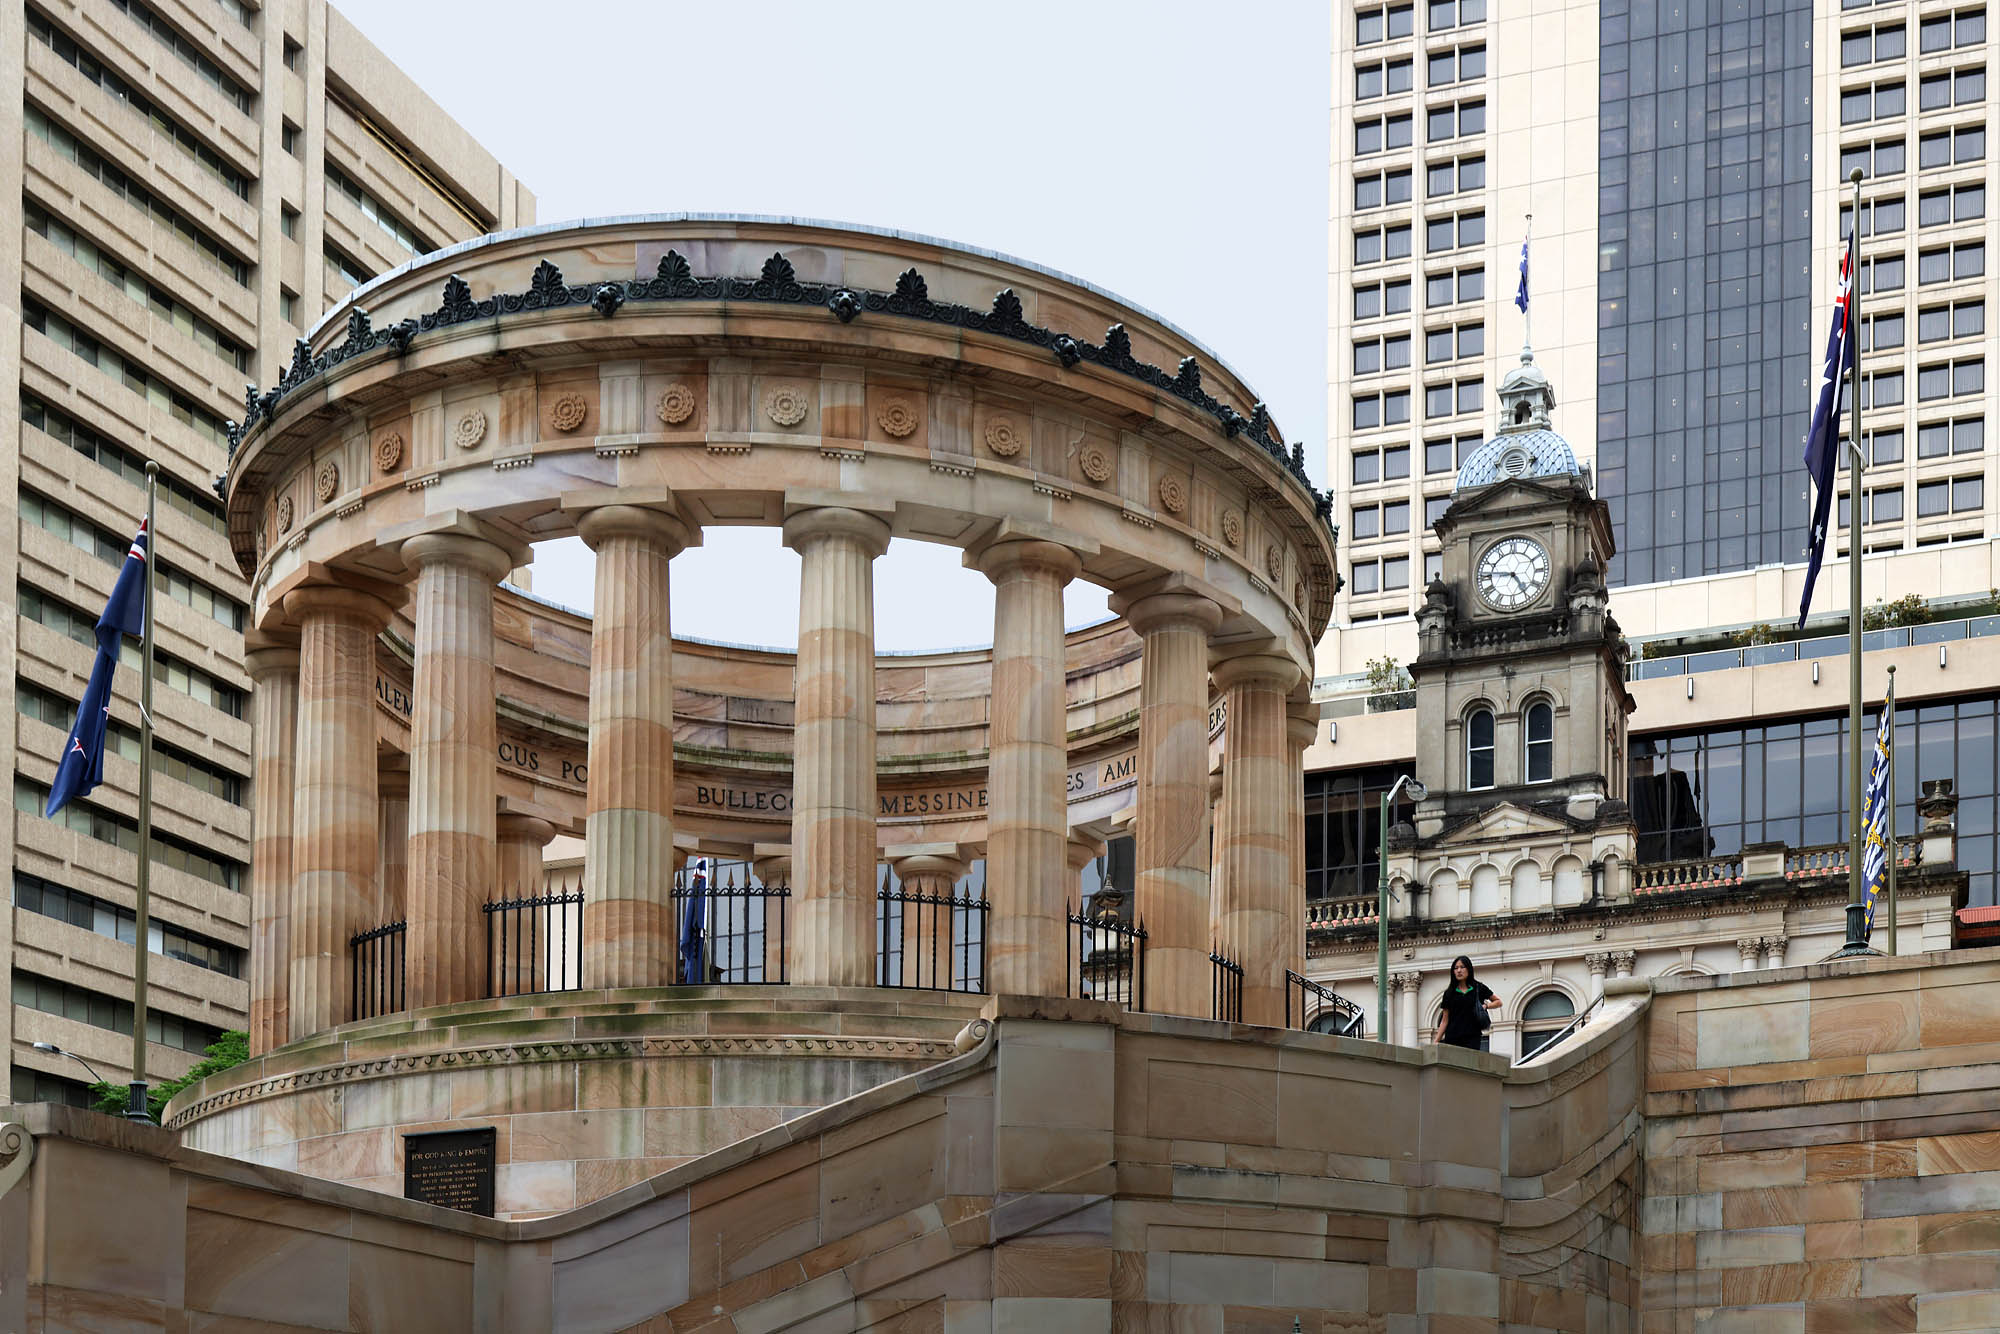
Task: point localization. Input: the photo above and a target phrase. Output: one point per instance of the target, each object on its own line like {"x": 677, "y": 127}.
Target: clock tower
{"x": 1521, "y": 699}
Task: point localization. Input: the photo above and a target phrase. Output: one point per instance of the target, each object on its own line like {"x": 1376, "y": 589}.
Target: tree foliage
{"x": 232, "y": 1048}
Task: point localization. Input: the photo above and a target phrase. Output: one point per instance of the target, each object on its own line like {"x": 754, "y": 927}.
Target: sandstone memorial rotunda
{"x": 423, "y": 732}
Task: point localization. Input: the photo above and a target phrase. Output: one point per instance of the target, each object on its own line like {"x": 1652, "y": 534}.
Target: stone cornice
{"x": 586, "y": 1049}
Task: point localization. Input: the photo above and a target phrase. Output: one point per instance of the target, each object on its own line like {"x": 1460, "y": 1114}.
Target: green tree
{"x": 232, "y": 1048}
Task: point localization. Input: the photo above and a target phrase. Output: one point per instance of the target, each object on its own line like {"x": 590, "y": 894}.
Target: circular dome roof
{"x": 1533, "y": 453}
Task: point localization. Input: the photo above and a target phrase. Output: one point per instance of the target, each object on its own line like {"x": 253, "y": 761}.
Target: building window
{"x": 292, "y": 53}
{"x": 1434, "y": 508}
{"x": 1868, "y": 45}
{"x": 1944, "y": 31}
{"x": 1885, "y": 157}
{"x": 36, "y": 895}
{"x": 1375, "y": 25}
{"x": 1454, "y": 176}
{"x": 1942, "y": 148}
{"x": 1395, "y": 573}
{"x": 1879, "y": 217}
{"x": 1455, "y": 65}
{"x": 1367, "y": 576}
{"x": 1871, "y": 102}
{"x": 1344, "y": 831}
{"x": 1382, "y": 78}
{"x": 1433, "y": 566}
{"x": 1391, "y": 187}
{"x": 1377, "y": 354}
{"x": 1455, "y": 120}
{"x": 1967, "y": 493}
{"x": 1372, "y": 136}
{"x": 1376, "y": 245}
{"x": 1886, "y": 506}
{"x": 1438, "y": 458}
{"x": 1540, "y": 731}
{"x": 1365, "y": 521}
{"x": 288, "y": 138}
{"x": 1375, "y": 299}
{"x": 1951, "y": 263}
{"x": 1385, "y": 409}
{"x": 1882, "y": 274}
{"x": 1546, "y": 1014}
{"x": 1479, "y": 749}
{"x": 1445, "y": 14}
{"x": 1882, "y": 331}
{"x": 1952, "y": 88}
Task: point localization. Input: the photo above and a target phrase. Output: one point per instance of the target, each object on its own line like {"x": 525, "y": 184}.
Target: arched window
{"x": 1479, "y": 749}
{"x": 1544, "y": 1016}
{"x": 1540, "y": 734}
{"x": 1331, "y": 1020}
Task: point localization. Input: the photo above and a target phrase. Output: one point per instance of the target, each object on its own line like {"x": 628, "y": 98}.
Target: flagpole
{"x": 142, "y": 926}
{"x": 1527, "y": 318}
{"x": 1890, "y": 809}
{"x": 1857, "y": 908}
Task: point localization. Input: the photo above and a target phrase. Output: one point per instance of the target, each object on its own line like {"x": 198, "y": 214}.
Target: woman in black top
{"x": 1459, "y": 1023}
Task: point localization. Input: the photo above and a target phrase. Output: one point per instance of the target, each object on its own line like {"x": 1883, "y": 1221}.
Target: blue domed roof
{"x": 1536, "y": 453}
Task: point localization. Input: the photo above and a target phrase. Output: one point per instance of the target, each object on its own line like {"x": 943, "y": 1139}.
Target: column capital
{"x": 1410, "y": 981}
{"x": 940, "y": 864}
{"x": 335, "y": 600}
{"x": 1003, "y": 558}
{"x": 1623, "y": 960}
{"x": 514, "y": 827}
{"x": 1159, "y": 611}
{"x": 1083, "y": 851}
{"x": 808, "y": 526}
{"x": 1269, "y": 670}
{"x": 661, "y": 526}
{"x": 475, "y": 553}
{"x": 1749, "y": 945}
{"x": 1598, "y": 963}
{"x": 271, "y": 660}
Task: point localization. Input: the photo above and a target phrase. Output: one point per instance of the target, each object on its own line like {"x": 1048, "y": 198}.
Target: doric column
{"x": 1749, "y": 952}
{"x": 773, "y": 867}
{"x": 334, "y": 812}
{"x": 927, "y": 926}
{"x": 1597, "y": 964}
{"x": 1254, "y": 841}
{"x": 1774, "y": 951}
{"x": 453, "y": 731}
{"x": 629, "y": 932}
{"x": 274, "y": 723}
{"x": 1406, "y": 986}
{"x": 1622, "y": 961}
{"x": 525, "y": 957}
{"x": 1171, "y": 872}
{"x": 833, "y": 747}
{"x": 1301, "y": 727}
{"x": 392, "y": 863}
{"x": 1027, "y": 807}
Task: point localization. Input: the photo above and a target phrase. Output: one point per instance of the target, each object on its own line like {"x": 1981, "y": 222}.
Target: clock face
{"x": 1513, "y": 572}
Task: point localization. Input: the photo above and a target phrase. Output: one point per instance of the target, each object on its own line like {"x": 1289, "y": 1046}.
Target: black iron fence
{"x": 1225, "y": 991}
{"x": 740, "y": 928}
{"x": 1310, "y": 1005}
{"x": 1106, "y": 959}
{"x": 376, "y": 959}
{"x": 930, "y": 942}
{"x": 534, "y": 944}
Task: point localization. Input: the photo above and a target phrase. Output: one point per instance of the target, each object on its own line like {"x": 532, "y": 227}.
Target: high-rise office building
{"x": 188, "y": 186}
{"x": 1686, "y": 167}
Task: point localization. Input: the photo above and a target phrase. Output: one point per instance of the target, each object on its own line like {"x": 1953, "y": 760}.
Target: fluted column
{"x": 927, "y": 926}
{"x": 334, "y": 812}
{"x": 1407, "y": 985}
{"x": 524, "y": 960}
{"x": 1027, "y": 805}
{"x": 1774, "y": 951}
{"x": 392, "y": 862}
{"x": 833, "y": 747}
{"x": 1597, "y": 964}
{"x": 630, "y": 937}
{"x": 1254, "y": 842}
{"x": 274, "y": 723}
{"x": 1301, "y": 728}
{"x": 774, "y": 871}
{"x": 1171, "y": 871}
{"x": 452, "y": 738}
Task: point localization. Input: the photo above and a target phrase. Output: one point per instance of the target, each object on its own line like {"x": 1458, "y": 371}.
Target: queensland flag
{"x": 82, "y": 766}
{"x": 1823, "y": 439}
{"x": 1875, "y": 822}
{"x": 694, "y": 967}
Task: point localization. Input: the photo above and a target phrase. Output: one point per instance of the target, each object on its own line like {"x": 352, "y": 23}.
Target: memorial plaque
{"x": 453, "y": 1168}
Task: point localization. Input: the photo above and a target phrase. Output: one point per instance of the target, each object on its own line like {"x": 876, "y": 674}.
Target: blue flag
{"x": 1875, "y": 823}
{"x": 1521, "y": 296}
{"x": 693, "y": 970}
{"x": 82, "y": 766}
{"x": 1823, "y": 439}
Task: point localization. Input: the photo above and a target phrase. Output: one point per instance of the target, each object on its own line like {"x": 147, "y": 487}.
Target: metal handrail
{"x": 1352, "y": 1015}
{"x": 1562, "y": 1034}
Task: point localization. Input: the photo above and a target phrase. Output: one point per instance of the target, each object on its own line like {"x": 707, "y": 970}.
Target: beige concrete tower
{"x": 1027, "y": 819}
{"x": 452, "y": 737}
{"x": 1253, "y": 845}
{"x": 628, "y": 928}
{"x": 1171, "y": 875}
{"x": 274, "y": 674}
{"x": 833, "y": 765}
{"x": 334, "y": 806}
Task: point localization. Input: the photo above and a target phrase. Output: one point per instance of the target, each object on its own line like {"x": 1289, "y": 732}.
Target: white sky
{"x": 1174, "y": 153}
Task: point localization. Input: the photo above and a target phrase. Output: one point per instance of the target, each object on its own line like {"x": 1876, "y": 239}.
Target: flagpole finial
{"x": 1854, "y": 176}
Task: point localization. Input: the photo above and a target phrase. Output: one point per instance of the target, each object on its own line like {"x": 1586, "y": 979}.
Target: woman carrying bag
{"x": 1463, "y": 1018}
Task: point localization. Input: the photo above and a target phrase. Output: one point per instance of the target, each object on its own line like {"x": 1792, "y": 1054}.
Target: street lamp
{"x": 53, "y": 1050}
{"x": 1417, "y": 792}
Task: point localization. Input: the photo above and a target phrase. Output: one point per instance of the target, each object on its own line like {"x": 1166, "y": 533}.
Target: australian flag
{"x": 82, "y": 766}
{"x": 1521, "y": 295}
{"x": 1823, "y": 440}
{"x": 693, "y": 960}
